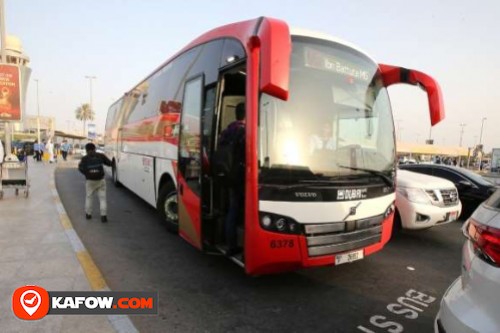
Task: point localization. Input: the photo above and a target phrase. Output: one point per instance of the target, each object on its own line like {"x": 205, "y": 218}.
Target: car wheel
{"x": 168, "y": 208}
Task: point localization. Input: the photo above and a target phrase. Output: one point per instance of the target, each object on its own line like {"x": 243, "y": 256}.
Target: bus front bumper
{"x": 284, "y": 252}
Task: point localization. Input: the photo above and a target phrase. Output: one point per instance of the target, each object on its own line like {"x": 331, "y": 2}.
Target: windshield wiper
{"x": 324, "y": 182}
{"x": 380, "y": 174}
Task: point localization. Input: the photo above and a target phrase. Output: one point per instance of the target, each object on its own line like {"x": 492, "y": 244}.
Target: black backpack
{"x": 94, "y": 169}
{"x": 226, "y": 161}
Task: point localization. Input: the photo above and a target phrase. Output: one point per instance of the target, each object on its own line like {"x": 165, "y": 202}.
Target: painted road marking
{"x": 409, "y": 306}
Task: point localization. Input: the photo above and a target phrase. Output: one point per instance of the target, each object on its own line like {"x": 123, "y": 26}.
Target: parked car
{"x": 407, "y": 161}
{"x": 423, "y": 201}
{"x": 472, "y": 302}
{"x": 82, "y": 152}
{"x": 472, "y": 188}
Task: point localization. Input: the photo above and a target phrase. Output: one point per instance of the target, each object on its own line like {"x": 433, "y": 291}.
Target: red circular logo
{"x": 30, "y": 302}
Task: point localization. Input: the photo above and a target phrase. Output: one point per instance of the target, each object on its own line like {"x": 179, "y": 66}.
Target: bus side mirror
{"x": 394, "y": 75}
{"x": 276, "y": 47}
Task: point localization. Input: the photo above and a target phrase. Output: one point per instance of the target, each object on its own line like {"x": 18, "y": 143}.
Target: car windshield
{"x": 474, "y": 176}
{"x": 337, "y": 121}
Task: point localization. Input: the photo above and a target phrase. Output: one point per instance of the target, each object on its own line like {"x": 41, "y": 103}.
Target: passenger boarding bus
{"x": 309, "y": 201}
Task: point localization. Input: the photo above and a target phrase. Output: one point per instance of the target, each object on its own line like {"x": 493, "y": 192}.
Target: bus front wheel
{"x": 167, "y": 207}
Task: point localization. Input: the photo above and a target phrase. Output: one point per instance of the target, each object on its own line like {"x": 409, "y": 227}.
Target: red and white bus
{"x": 307, "y": 203}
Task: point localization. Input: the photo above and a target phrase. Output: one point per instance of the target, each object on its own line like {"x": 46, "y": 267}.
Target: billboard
{"x": 91, "y": 133}
{"x": 10, "y": 93}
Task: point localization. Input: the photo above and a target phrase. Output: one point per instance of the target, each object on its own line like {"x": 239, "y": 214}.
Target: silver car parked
{"x": 472, "y": 303}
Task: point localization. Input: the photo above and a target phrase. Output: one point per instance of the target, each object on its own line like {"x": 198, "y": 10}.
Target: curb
{"x": 121, "y": 323}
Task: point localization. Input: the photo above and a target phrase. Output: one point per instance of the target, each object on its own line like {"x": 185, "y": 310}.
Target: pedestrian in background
{"x": 65, "y": 149}
{"x": 50, "y": 150}
{"x": 42, "y": 150}
{"x": 92, "y": 167}
{"x": 21, "y": 155}
{"x": 36, "y": 149}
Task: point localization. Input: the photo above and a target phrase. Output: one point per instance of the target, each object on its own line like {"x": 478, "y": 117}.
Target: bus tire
{"x": 114, "y": 175}
{"x": 397, "y": 225}
{"x": 167, "y": 207}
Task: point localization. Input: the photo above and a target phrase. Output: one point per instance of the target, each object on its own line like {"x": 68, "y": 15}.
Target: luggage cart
{"x": 14, "y": 175}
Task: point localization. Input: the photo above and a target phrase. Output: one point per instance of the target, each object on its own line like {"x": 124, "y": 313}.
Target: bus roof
{"x": 241, "y": 29}
{"x": 320, "y": 35}
{"x": 236, "y": 29}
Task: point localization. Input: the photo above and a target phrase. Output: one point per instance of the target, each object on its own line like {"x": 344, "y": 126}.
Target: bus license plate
{"x": 348, "y": 257}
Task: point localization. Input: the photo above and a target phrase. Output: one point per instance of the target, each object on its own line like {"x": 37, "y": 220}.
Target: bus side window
{"x": 232, "y": 52}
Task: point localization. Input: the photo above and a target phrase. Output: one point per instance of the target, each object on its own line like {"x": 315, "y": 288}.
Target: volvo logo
{"x": 352, "y": 211}
{"x": 306, "y": 194}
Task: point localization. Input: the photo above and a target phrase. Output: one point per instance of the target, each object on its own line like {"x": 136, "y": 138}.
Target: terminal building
{"x": 27, "y": 129}
{"x": 413, "y": 152}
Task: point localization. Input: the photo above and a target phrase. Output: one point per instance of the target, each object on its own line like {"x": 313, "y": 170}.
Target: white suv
{"x": 423, "y": 201}
{"x": 472, "y": 303}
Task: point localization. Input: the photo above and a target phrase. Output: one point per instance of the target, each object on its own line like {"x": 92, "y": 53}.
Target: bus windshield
{"x": 336, "y": 123}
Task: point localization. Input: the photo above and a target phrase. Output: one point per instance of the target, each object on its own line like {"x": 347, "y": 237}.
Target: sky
{"x": 121, "y": 41}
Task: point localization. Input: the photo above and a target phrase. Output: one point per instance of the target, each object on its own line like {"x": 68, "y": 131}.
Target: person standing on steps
{"x": 92, "y": 167}
{"x": 233, "y": 138}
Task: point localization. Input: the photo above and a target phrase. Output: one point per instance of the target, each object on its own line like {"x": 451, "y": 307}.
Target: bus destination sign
{"x": 319, "y": 60}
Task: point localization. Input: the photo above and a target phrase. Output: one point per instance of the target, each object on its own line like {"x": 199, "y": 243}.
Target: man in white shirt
{"x": 50, "y": 149}
{"x": 323, "y": 141}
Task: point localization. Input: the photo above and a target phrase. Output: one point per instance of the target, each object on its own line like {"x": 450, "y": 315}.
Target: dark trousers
{"x": 235, "y": 213}
{"x": 64, "y": 154}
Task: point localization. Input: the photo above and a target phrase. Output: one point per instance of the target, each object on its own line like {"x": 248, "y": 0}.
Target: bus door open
{"x": 232, "y": 88}
{"x": 204, "y": 198}
{"x": 190, "y": 162}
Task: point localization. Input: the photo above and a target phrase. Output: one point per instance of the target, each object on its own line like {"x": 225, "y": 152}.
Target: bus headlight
{"x": 266, "y": 221}
{"x": 389, "y": 210}
{"x": 278, "y": 223}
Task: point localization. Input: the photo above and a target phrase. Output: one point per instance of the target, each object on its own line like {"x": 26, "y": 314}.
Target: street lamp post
{"x": 481, "y": 135}
{"x": 3, "y": 54}
{"x": 38, "y": 112}
{"x": 90, "y": 78}
{"x": 461, "y": 133}
{"x": 480, "y": 152}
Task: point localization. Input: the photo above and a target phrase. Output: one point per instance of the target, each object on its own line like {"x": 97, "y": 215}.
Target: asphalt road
{"x": 203, "y": 293}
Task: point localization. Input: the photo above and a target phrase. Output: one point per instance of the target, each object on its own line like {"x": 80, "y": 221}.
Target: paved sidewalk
{"x": 35, "y": 250}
